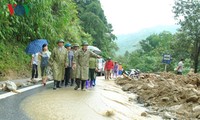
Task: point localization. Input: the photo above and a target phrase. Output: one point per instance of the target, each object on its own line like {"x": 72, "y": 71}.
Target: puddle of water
{"x": 67, "y": 104}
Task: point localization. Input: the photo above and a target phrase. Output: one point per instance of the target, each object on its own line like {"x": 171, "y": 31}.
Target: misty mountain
{"x": 130, "y": 42}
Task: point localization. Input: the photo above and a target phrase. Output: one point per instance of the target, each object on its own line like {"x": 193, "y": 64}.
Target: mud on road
{"x": 166, "y": 94}
{"x": 104, "y": 102}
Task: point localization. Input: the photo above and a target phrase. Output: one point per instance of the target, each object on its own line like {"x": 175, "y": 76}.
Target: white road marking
{"x": 22, "y": 90}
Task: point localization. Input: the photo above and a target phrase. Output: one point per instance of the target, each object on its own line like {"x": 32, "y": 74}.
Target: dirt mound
{"x": 167, "y": 94}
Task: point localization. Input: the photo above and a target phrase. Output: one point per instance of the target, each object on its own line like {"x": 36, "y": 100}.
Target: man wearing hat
{"x": 58, "y": 62}
{"x": 73, "y": 72}
{"x": 81, "y": 62}
{"x": 69, "y": 64}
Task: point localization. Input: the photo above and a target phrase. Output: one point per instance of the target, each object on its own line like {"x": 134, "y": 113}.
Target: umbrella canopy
{"x": 35, "y": 46}
{"x": 94, "y": 49}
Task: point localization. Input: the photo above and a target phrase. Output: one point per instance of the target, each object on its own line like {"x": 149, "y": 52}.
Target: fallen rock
{"x": 193, "y": 98}
{"x": 11, "y": 86}
{"x": 144, "y": 114}
{"x": 130, "y": 99}
{"x": 127, "y": 87}
{"x": 152, "y": 112}
{"x": 162, "y": 79}
{"x": 165, "y": 99}
{"x": 196, "y": 108}
{"x": 109, "y": 113}
{"x": 167, "y": 115}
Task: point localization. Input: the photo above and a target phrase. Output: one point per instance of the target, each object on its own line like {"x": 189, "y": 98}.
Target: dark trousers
{"x": 92, "y": 76}
{"x": 34, "y": 71}
{"x": 67, "y": 75}
{"x": 80, "y": 82}
{"x": 179, "y": 73}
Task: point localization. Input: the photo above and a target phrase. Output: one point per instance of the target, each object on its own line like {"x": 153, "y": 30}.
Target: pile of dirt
{"x": 169, "y": 95}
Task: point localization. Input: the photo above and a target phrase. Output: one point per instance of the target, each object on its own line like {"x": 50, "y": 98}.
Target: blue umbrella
{"x": 35, "y": 46}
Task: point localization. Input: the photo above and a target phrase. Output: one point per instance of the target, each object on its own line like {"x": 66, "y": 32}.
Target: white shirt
{"x": 35, "y": 59}
{"x": 180, "y": 66}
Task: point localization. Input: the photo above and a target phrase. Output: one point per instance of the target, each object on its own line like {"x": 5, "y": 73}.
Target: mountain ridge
{"x": 129, "y": 42}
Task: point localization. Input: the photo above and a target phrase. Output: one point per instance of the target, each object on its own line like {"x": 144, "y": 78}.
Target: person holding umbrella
{"x": 34, "y": 48}
{"x": 58, "y": 61}
{"x": 73, "y": 76}
{"x": 82, "y": 60}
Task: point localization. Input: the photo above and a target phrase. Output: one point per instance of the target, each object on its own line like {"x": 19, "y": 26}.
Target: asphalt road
{"x": 10, "y": 106}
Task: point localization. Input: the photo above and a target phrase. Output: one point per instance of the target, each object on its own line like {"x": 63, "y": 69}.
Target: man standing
{"x": 92, "y": 70}
{"x": 82, "y": 60}
{"x": 180, "y": 68}
{"x": 69, "y": 64}
{"x": 73, "y": 76}
{"x": 108, "y": 68}
{"x": 120, "y": 69}
{"x": 58, "y": 62}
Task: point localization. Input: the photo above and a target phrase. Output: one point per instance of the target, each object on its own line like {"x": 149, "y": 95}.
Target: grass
{"x": 13, "y": 59}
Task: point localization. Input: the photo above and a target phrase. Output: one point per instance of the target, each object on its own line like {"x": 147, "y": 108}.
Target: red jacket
{"x": 109, "y": 65}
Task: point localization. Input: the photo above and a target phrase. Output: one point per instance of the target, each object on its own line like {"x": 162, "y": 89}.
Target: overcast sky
{"x": 128, "y": 16}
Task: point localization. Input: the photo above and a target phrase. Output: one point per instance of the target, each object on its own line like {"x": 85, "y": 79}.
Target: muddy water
{"x": 104, "y": 102}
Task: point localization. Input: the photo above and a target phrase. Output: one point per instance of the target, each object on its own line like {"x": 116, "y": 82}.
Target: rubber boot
{"x": 82, "y": 85}
{"x": 62, "y": 83}
{"x": 77, "y": 84}
{"x": 91, "y": 83}
{"x": 87, "y": 84}
{"x": 55, "y": 85}
{"x": 72, "y": 82}
{"x": 58, "y": 84}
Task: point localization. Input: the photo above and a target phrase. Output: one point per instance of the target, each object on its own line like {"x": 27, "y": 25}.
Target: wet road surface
{"x": 10, "y": 108}
{"x": 104, "y": 102}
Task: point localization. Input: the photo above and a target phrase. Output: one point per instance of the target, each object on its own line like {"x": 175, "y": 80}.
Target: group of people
{"x": 68, "y": 63}
{"x": 112, "y": 69}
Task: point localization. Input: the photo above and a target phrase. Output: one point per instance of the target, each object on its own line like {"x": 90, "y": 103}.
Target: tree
{"x": 95, "y": 23}
{"x": 187, "y": 13}
{"x": 47, "y": 19}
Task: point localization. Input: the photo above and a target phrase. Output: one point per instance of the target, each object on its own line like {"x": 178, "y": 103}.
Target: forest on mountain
{"x": 72, "y": 20}
{"x": 184, "y": 44}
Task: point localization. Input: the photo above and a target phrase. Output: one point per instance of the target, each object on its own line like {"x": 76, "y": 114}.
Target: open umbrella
{"x": 35, "y": 46}
{"x": 94, "y": 49}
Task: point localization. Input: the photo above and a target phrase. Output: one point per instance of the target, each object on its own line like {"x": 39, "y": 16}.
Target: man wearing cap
{"x": 69, "y": 64}
{"x": 58, "y": 62}
{"x": 82, "y": 57}
{"x": 73, "y": 72}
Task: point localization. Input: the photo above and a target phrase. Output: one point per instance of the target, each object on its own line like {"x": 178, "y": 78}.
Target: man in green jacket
{"x": 93, "y": 67}
{"x": 58, "y": 61}
{"x": 81, "y": 62}
{"x": 73, "y": 76}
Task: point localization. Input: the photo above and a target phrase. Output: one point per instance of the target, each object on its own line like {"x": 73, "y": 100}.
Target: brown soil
{"x": 11, "y": 75}
{"x": 176, "y": 94}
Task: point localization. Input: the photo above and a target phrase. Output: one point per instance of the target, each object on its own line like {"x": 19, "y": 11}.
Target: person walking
{"x": 73, "y": 72}
{"x": 34, "y": 64}
{"x": 120, "y": 69}
{"x": 69, "y": 64}
{"x": 115, "y": 70}
{"x": 108, "y": 68}
{"x": 180, "y": 67}
{"x": 45, "y": 55}
{"x": 58, "y": 61}
{"x": 82, "y": 60}
{"x": 92, "y": 71}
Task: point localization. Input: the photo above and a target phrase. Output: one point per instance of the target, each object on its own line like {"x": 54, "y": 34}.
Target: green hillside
{"x": 72, "y": 20}
{"x": 129, "y": 42}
